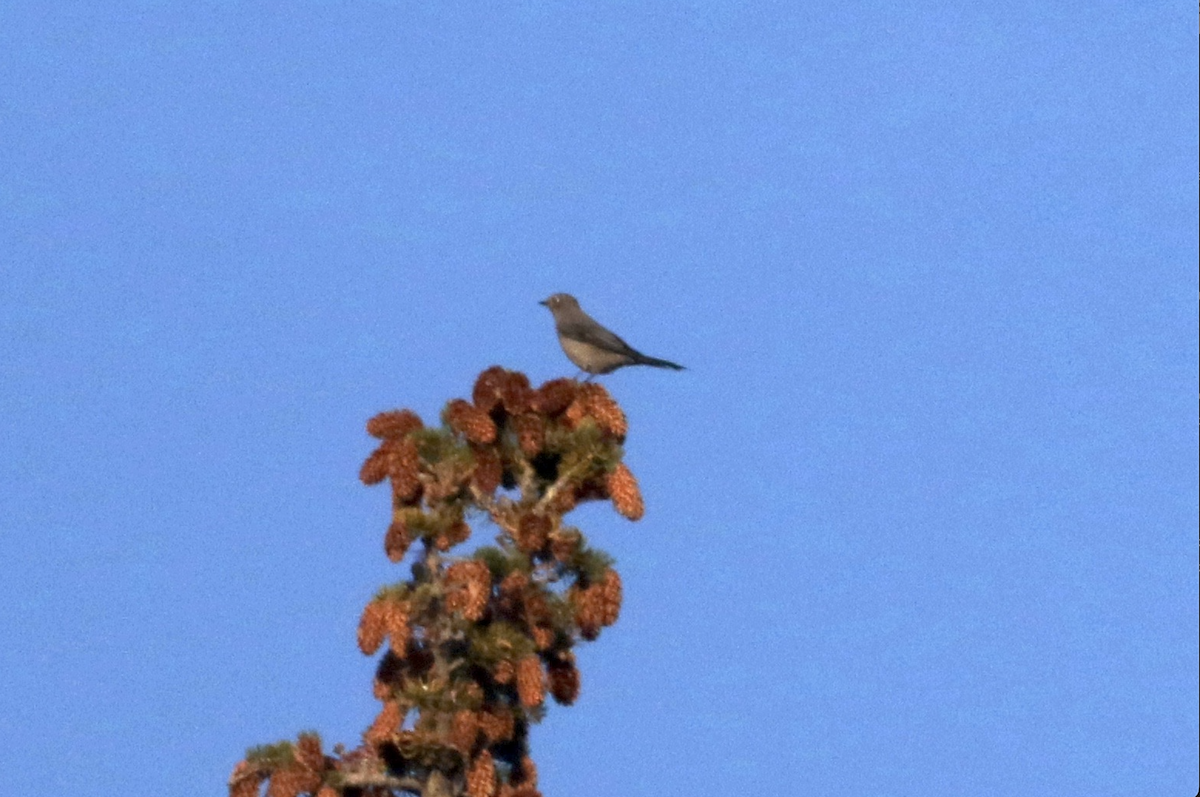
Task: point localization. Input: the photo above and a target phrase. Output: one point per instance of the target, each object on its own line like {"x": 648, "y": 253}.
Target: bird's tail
{"x": 657, "y": 363}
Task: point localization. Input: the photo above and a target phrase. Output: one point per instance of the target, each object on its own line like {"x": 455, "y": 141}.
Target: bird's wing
{"x": 588, "y": 331}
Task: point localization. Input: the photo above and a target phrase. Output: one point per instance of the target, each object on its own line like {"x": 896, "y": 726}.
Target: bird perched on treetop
{"x": 589, "y": 345}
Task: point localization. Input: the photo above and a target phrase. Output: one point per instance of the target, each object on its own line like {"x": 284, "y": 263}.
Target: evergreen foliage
{"x": 474, "y": 642}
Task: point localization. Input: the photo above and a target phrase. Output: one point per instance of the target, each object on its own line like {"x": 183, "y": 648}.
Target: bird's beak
{"x": 544, "y": 302}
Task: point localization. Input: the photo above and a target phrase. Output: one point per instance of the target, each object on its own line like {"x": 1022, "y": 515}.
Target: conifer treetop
{"x": 474, "y": 642}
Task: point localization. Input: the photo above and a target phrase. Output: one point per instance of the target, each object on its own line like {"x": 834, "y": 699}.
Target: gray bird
{"x": 589, "y": 345}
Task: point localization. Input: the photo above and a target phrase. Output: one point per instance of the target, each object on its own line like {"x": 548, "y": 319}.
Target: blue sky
{"x": 922, "y": 513}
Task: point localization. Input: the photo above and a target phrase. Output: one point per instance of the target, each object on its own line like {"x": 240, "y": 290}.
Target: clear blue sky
{"x": 922, "y": 513}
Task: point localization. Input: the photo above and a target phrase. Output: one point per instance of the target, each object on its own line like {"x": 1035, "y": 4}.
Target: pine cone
{"x": 564, "y": 544}
{"x": 504, "y": 672}
{"x": 609, "y": 597}
{"x": 245, "y": 781}
{"x": 489, "y": 388}
{"x": 626, "y": 497}
{"x": 515, "y": 393}
{"x": 543, "y": 637}
{"x": 601, "y": 406}
{"x": 497, "y": 725}
{"x": 456, "y": 533}
{"x": 372, "y": 627}
{"x": 524, "y": 790}
{"x": 404, "y": 469}
{"x": 375, "y": 468}
{"x": 554, "y": 396}
{"x": 488, "y": 470}
{"x": 393, "y": 424}
{"x": 531, "y": 434}
{"x": 464, "y": 730}
{"x": 396, "y": 619}
{"x": 471, "y": 422}
{"x": 469, "y": 586}
{"x": 532, "y": 532}
{"x": 481, "y": 779}
{"x": 397, "y": 540}
{"x": 564, "y": 679}
{"x": 531, "y": 689}
{"x": 308, "y": 752}
{"x": 526, "y": 772}
{"x": 385, "y": 725}
{"x": 289, "y": 782}
{"x": 589, "y": 611}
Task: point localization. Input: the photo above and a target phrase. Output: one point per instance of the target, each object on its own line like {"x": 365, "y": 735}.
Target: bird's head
{"x": 559, "y": 301}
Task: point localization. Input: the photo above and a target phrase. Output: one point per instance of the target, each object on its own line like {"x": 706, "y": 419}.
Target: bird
{"x": 589, "y": 345}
